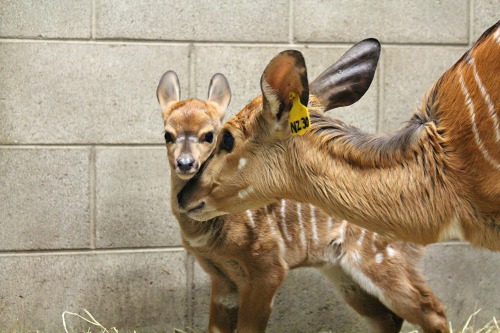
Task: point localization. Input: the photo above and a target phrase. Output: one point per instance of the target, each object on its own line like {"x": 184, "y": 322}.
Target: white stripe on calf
{"x": 329, "y": 223}
{"x": 361, "y": 238}
{"x": 250, "y": 218}
{"x": 283, "y": 219}
{"x": 275, "y": 233}
{"x": 342, "y": 231}
{"x": 374, "y": 242}
{"x": 301, "y": 226}
{"x": 314, "y": 227}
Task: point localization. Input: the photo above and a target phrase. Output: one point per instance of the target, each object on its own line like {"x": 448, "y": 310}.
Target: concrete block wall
{"x": 85, "y": 221}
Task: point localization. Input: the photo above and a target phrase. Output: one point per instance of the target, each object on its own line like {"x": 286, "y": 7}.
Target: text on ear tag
{"x": 299, "y": 119}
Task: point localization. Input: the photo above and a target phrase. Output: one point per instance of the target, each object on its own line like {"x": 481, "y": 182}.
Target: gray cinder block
{"x": 242, "y": 65}
{"x": 238, "y": 21}
{"x": 45, "y": 198}
{"x": 466, "y": 279}
{"x": 485, "y": 14}
{"x": 200, "y": 298}
{"x": 133, "y": 198}
{"x": 408, "y": 73}
{"x": 46, "y": 19}
{"x": 388, "y": 20}
{"x": 142, "y": 291}
{"x": 84, "y": 92}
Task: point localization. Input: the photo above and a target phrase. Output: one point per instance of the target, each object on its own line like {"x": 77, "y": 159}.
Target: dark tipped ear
{"x": 168, "y": 91}
{"x": 285, "y": 74}
{"x": 219, "y": 93}
{"x": 347, "y": 80}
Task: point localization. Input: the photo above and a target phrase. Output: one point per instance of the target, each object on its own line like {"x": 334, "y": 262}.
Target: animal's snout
{"x": 189, "y": 198}
{"x": 183, "y": 204}
{"x": 185, "y": 163}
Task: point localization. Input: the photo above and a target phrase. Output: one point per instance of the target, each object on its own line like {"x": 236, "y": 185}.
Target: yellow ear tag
{"x": 299, "y": 116}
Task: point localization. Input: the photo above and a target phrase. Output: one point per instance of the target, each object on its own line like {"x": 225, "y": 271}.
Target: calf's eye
{"x": 209, "y": 137}
{"x": 168, "y": 137}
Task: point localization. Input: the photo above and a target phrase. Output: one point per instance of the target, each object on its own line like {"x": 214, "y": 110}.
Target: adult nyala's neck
{"x": 388, "y": 183}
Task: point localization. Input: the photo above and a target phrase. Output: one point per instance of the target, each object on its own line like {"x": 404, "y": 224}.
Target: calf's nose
{"x": 185, "y": 163}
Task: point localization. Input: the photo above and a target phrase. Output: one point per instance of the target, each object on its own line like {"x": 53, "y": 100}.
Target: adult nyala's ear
{"x": 284, "y": 75}
{"x": 219, "y": 93}
{"x": 168, "y": 91}
{"x": 347, "y": 80}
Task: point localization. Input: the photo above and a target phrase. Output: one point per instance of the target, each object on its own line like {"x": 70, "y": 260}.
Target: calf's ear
{"x": 219, "y": 93}
{"x": 168, "y": 91}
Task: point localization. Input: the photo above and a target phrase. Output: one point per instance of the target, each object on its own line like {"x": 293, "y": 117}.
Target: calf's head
{"x": 191, "y": 126}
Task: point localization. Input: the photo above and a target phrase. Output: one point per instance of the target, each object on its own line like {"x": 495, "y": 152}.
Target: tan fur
{"x": 428, "y": 182}
{"x": 248, "y": 255}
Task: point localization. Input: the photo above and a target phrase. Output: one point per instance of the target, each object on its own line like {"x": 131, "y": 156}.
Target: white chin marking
{"x": 185, "y": 176}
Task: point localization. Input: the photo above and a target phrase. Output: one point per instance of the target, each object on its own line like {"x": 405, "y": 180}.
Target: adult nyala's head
{"x": 248, "y": 168}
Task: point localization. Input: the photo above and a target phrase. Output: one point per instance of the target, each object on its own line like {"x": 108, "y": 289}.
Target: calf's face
{"x": 191, "y": 126}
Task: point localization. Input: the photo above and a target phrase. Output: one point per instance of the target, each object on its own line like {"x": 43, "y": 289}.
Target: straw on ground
{"x": 469, "y": 327}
